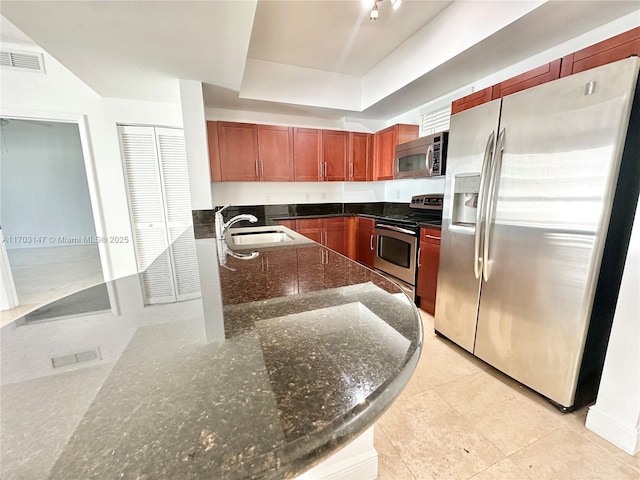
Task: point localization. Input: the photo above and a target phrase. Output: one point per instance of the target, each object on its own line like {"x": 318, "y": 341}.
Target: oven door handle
{"x": 397, "y": 229}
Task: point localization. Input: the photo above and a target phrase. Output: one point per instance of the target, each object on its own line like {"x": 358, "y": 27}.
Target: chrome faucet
{"x": 222, "y": 227}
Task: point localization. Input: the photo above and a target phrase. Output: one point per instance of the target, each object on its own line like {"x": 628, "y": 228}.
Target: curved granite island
{"x": 282, "y": 359}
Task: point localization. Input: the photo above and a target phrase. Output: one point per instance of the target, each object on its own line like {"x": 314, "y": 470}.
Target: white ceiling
{"x": 335, "y": 36}
{"x": 253, "y": 54}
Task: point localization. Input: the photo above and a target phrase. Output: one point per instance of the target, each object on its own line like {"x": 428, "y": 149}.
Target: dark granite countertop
{"x": 262, "y": 368}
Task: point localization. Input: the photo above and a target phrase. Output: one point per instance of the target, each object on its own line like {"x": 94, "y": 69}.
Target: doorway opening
{"x": 46, "y": 216}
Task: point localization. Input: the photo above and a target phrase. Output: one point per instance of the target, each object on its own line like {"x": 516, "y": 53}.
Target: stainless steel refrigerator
{"x": 540, "y": 194}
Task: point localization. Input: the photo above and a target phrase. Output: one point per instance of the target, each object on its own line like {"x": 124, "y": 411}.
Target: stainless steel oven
{"x": 397, "y": 235}
{"x": 396, "y": 252}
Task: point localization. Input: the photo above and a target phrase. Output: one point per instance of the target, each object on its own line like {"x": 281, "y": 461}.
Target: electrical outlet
{"x": 307, "y": 196}
{"x": 267, "y": 198}
{"x": 397, "y": 194}
{"x": 324, "y": 196}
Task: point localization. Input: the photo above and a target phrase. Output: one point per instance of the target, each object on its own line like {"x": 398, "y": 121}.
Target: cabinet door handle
{"x": 257, "y": 169}
{"x": 351, "y": 171}
{"x": 320, "y": 169}
{"x": 419, "y": 264}
{"x": 371, "y": 242}
{"x": 432, "y": 237}
{"x": 261, "y": 168}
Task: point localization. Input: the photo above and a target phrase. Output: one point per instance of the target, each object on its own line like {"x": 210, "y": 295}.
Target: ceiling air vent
{"x": 25, "y": 61}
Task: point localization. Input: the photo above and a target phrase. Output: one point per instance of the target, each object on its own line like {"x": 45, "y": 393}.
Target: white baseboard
{"x": 625, "y": 437}
{"x": 357, "y": 461}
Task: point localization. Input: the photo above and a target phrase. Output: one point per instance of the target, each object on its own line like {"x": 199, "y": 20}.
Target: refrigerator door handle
{"x": 491, "y": 200}
{"x": 486, "y": 161}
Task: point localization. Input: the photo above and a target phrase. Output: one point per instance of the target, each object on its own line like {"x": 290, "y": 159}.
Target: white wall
{"x": 277, "y": 82}
{"x": 295, "y": 120}
{"x": 603, "y": 32}
{"x": 457, "y": 28}
{"x": 616, "y": 413}
{"x": 45, "y": 195}
{"x": 195, "y": 137}
{"x": 61, "y": 95}
{"x": 275, "y": 193}
{"x": 403, "y": 190}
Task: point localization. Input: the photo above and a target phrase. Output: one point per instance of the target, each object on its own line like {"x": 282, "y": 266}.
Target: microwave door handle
{"x": 429, "y": 159}
{"x": 396, "y": 229}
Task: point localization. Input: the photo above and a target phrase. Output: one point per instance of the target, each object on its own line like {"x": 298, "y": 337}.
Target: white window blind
{"x": 436, "y": 121}
{"x": 155, "y": 165}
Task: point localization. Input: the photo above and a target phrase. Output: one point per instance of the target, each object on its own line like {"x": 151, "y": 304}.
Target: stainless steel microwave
{"x": 424, "y": 157}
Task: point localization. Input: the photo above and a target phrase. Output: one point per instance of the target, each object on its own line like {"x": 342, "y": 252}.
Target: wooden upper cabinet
{"x": 238, "y": 145}
{"x": 532, "y": 78}
{"x": 359, "y": 159}
{"x": 307, "y": 144}
{"x": 275, "y": 153}
{"x": 214, "y": 151}
{"x": 334, "y": 155}
{"x": 472, "y": 100}
{"x": 611, "y": 50}
{"x": 384, "y": 148}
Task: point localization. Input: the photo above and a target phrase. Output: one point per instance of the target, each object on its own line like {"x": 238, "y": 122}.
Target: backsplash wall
{"x": 276, "y": 193}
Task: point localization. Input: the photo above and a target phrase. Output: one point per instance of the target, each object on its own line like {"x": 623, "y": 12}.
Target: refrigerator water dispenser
{"x": 465, "y": 199}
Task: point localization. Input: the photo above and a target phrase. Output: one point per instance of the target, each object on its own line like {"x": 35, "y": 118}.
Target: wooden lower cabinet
{"x": 311, "y": 228}
{"x": 290, "y": 224}
{"x": 428, "y": 265}
{"x": 331, "y": 232}
{"x": 335, "y": 234}
{"x": 366, "y": 241}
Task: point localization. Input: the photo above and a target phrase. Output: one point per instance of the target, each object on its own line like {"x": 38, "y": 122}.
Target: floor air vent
{"x": 25, "y": 61}
{"x": 73, "y": 358}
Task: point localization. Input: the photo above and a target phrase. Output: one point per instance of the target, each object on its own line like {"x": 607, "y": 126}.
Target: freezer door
{"x": 471, "y": 136}
{"x": 547, "y": 224}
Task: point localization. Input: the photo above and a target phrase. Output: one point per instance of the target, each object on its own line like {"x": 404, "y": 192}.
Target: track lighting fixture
{"x": 374, "y": 9}
{"x": 374, "y": 12}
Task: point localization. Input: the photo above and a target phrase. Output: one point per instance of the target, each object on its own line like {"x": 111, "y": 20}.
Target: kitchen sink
{"x": 264, "y": 237}
{"x": 251, "y": 238}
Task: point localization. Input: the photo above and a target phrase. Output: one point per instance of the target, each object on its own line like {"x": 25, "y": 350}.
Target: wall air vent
{"x": 24, "y": 61}
{"x": 73, "y": 358}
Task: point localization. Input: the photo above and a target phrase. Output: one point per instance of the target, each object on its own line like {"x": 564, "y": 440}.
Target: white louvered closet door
{"x": 175, "y": 182}
{"x": 158, "y": 187}
{"x": 146, "y": 206}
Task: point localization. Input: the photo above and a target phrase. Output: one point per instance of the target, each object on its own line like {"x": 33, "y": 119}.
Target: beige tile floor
{"x": 458, "y": 418}
{"x": 42, "y": 275}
